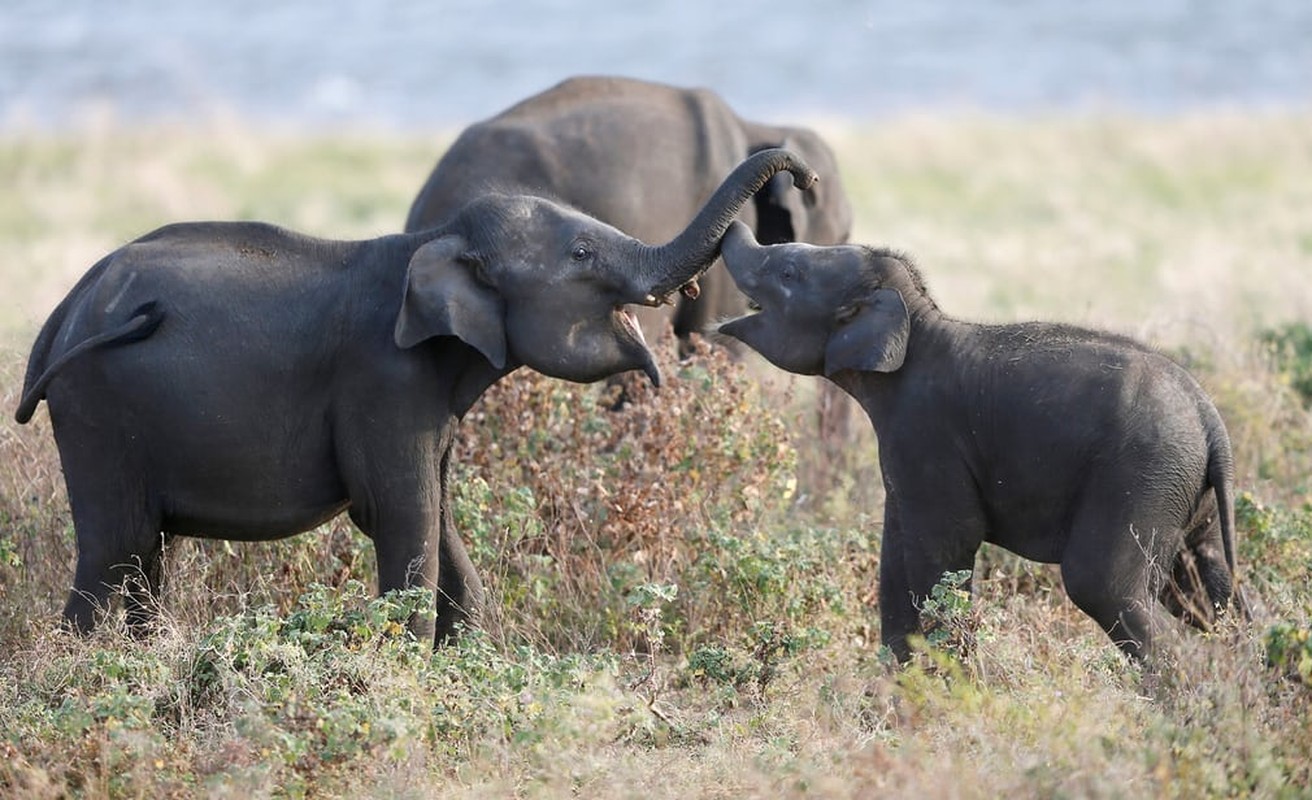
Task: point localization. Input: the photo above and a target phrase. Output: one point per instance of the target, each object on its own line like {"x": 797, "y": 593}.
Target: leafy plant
{"x": 949, "y": 617}
{"x": 1289, "y": 650}
{"x": 1290, "y": 348}
{"x": 1275, "y": 553}
{"x": 571, "y": 505}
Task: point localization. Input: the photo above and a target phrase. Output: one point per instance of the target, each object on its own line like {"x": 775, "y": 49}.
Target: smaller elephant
{"x": 601, "y": 144}
{"x": 1060, "y": 444}
{"x": 242, "y": 381}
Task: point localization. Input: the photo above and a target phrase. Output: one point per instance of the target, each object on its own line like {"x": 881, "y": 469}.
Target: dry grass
{"x": 759, "y": 677}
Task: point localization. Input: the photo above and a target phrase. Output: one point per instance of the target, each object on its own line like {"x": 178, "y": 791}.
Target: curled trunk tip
{"x": 776, "y": 160}
{"x": 692, "y": 252}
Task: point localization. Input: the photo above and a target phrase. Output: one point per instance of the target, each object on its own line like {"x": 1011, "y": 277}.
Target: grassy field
{"x": 683, "y": 591}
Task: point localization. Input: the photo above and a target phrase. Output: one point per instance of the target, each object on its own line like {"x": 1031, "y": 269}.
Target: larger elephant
{"x": 643, "y": 157}
{"x": 1063, "y": 445}
{"x": 241, "y": 381}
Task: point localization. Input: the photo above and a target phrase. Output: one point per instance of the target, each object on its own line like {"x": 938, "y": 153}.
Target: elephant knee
{"x": 1122, "y": 605}
{"x": 1094, "y": 593}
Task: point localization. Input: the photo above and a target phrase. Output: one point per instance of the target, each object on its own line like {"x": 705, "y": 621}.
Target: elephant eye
{"x": 581, "y": 252}
{"x": 848, "y": 313}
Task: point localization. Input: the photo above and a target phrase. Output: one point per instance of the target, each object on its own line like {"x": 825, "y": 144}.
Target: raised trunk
{"x": 663, "y": 269}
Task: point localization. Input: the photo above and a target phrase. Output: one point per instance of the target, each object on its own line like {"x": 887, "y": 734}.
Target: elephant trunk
{"x": 663, "y": 269}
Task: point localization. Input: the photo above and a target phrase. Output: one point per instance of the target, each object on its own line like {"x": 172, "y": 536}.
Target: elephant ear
{"x": 443, "y": 297}
{"x": 875, "y": 340}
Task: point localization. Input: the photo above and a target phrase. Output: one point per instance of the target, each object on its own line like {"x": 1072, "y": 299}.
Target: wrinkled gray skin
{"x": 1063, "y": 445}
{"x": 642, "y": 157}
{"x": 240, "y": 381}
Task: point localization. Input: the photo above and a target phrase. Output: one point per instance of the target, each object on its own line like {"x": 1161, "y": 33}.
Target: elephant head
{"x": 526, "y": 281}
{"x": 820, "y": 310}
{"x": 821, "y": 216}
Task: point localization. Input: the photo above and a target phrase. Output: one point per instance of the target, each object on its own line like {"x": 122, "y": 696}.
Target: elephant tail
{"x": 1220, "y": 474}
{"x": 143, "y": 322}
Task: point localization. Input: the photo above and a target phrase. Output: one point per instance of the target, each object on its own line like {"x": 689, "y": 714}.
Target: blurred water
{"x": 411, "y": 63}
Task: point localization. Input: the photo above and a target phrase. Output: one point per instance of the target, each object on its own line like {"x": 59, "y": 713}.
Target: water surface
{"x": 412, "y": 64}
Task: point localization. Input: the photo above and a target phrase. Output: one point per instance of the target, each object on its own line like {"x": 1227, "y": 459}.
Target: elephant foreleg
{"x": 403, "y": 522}
{"x": 407, "y": 559}
{"x": 460, "y": 595}
{"x": 898, "y": 617}
{"x": 913, "y": 558}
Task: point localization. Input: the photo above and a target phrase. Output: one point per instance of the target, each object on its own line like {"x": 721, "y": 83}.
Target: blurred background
{"x": 415, "y": 64}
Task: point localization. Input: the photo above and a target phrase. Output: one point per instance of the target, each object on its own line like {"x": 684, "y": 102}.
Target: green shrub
{"x": 1289, "y": 650}
{"x": 296, "y": 699}
{"x": 1290, "y": 347}
{"x": 570, "y": 506}
{"x": 1275, "y": 553}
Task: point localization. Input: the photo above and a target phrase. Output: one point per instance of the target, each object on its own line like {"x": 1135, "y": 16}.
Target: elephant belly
{"x": 1036, "y": 530}
{"x": 237, "y": 494}
{"x": 223, "y": 521}
{"x": 1031, "y": 544}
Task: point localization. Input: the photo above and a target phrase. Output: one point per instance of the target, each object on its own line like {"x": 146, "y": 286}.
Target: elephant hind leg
{"x": 101, "y": 572}
{"x": 1200, "y": 587}
{"x": 1113, "y": 572}
{"x": 1201, "y": 584}
{"x": 119, "y": 542}
{"x": 88, "y": 600}
{"x": 142, "y": 583}
{"x": 1126, "y": 616}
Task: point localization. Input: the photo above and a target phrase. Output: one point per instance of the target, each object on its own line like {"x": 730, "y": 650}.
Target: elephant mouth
{"x": 628, "y": 322}
{"x": 734, "y": 326}
{"x": 751, "y": 308}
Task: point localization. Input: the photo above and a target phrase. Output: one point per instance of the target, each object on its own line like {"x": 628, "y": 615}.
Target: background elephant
{"x": 1062, "y": 445}
{"x": 642, "y": 157}
{"x": 240, "y": 381}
